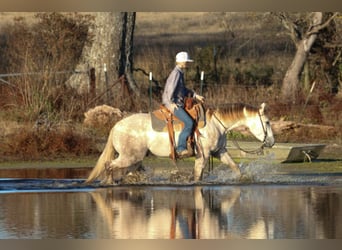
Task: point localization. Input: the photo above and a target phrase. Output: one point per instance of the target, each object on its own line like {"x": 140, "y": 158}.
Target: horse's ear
{"x": 262, "y": 108}
{"x": 245, "y": 113}
{"x": 210, "y": 112}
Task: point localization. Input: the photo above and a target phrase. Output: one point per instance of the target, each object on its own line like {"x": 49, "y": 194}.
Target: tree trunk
{"x": 112, "y": 45}
{"x": 290, "y": 86}
{"x": 289, "y": 90}
{"x": 126, "y": 62}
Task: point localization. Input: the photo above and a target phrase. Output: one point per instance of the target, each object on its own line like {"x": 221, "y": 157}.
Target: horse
{"x": 133, "y": 137}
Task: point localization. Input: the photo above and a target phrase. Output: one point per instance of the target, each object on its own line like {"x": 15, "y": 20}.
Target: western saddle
{"x": 164, "y": 120}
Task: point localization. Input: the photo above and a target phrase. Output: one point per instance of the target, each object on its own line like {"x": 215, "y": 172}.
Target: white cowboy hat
{"x": 183, "y": 57}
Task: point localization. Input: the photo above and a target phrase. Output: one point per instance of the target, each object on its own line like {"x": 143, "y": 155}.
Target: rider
{"x": 173, "y": 98}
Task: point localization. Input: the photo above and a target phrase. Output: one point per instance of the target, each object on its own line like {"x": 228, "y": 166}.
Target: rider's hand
{"x": 199, "y": 98}
{"x": 173, "y": 107}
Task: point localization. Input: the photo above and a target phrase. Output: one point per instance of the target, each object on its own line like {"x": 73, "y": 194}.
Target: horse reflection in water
{"x": 206, "y": 212}
{"x": 225, "y": 212}
{"x": 132, "y": 137}
{"x": 176, "y": 216}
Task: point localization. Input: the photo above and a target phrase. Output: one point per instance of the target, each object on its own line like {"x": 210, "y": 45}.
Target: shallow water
{"x": 266, "y": 203}
{"x": 173, "y": 212}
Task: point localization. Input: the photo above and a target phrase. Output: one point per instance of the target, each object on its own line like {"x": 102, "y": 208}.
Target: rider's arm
{"x": 169, "y": 89}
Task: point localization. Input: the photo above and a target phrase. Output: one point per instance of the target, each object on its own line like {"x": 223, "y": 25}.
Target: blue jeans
{"x": 185, "y": 133}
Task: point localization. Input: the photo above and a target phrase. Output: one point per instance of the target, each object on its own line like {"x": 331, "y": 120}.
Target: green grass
{"x": 83, "y": 162}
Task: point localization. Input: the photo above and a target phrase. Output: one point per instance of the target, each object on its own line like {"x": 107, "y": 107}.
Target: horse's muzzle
{"x": 269, "y": 142}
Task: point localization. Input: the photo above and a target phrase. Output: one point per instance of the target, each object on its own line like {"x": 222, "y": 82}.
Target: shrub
{"x": 37, "y": 144}
{"x": 45, "y": 53}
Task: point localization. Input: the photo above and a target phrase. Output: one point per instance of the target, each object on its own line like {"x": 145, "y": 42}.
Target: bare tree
{"x": 304, "y": 36}
{"x": 111, "y": 50}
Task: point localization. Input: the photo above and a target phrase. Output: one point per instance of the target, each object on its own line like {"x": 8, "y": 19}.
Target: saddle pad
{"x": 159, "y": 118}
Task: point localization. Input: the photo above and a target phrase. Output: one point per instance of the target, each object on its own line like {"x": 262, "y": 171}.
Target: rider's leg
{"x": 188, "y": 125}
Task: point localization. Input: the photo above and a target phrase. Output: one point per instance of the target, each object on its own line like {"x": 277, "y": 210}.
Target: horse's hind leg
{"x": 118, "y": 168}
{"x": 108, "y": 175}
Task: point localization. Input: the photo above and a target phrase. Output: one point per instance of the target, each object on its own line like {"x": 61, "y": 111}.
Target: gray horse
{"x": 132, "y": 137}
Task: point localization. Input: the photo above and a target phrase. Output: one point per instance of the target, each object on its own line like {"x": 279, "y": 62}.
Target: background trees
{"x": 39, "y": 58}
{"x": 245, "y": 57}
{"x": 111, "y": 50}
{"x": 240, "y": 51}
{"x": 305, "y": 30}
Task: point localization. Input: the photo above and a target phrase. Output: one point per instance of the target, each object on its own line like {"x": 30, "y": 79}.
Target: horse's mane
{"x": 231, "y": 110}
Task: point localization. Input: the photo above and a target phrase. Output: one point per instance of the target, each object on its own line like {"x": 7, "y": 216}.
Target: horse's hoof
{"x": 174, "y": 171}
{"x": 196, "y": 178}
{"x": 106, "y": 183}
{"x": 108, "y": 167}
{"x": 245, "y": 179}
{"x": 117, "y": 182}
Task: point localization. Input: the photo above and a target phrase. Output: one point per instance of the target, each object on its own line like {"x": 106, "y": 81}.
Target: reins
{"x": 258, "y": 151}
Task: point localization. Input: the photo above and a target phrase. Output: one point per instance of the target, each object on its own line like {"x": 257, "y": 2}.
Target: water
{"x": 265, "y": 204}
{"x": 201, "y": 212}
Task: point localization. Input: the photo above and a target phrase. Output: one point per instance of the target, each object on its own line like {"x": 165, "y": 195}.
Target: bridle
{"x": 258, "y": 151}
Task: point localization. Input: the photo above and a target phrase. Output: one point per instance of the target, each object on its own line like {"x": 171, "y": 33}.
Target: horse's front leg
{"x": 226, "y": 159}
{"x": 200, "y": 163}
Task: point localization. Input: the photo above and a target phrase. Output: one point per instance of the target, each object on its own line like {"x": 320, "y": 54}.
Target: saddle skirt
{"x": 160, "y": 117}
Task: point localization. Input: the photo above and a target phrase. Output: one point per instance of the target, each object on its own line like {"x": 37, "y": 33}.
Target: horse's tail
{"x": 107, "y": 155}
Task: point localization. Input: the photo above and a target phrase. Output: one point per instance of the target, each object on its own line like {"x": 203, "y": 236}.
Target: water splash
{"x": 263, "y": 171}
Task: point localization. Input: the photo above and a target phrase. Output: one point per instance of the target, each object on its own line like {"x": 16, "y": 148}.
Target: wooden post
{"x": 306, "y": 76}
{"x": 92, "y": 83}
{"x": 150, "y": 91}
{"x": 202, "y": 81}
{"x": 106, "y": 82}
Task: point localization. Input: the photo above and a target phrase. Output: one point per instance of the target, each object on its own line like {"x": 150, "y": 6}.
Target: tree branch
{"x": 292, "y": 28}
{"x": 332, "y": 45}
{"x": 314, "y": 29}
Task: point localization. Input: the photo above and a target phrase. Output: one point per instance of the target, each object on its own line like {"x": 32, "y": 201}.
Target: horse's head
{"x": 259, "y": 125}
